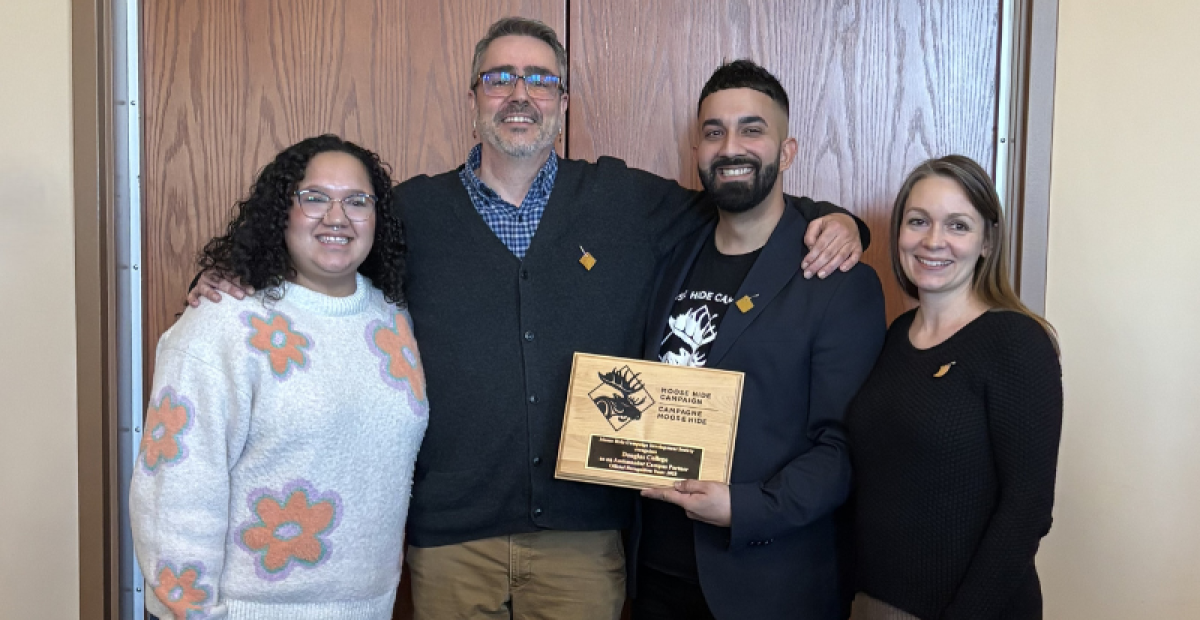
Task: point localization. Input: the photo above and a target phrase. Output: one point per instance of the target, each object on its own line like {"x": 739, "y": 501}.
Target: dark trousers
{"x": 666, "y": 597}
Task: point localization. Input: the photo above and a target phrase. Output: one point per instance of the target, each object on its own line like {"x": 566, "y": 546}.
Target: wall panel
{"x": 1123, "y": 294}
{"x": 40, "y": 556}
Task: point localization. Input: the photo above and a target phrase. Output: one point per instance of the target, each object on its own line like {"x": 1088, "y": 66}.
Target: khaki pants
{"x": 548, "y": 575}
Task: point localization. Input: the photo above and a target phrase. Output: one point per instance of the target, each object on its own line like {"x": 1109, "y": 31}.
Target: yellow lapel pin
{"x": 587, "y": 260}
{"x": 745, "y": 304}
{"x": 943, "y": 370}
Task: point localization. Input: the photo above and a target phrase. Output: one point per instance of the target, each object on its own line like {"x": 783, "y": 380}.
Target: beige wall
{"x": 1124, "y": 292}
{"x": 39, "y": 562}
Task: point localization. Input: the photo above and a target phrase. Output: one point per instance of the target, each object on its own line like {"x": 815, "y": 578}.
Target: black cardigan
{"x": 496, "y": 337}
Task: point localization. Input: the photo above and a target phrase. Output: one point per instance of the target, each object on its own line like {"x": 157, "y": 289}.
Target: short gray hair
{"x": 521, "y": 27}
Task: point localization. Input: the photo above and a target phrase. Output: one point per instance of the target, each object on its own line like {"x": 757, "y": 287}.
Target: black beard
{"x": 741, "y": 196}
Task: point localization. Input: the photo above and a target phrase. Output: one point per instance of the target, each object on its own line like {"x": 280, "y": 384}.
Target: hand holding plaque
{"x": 637, "y": 424}
{"x": 700, "y": 500}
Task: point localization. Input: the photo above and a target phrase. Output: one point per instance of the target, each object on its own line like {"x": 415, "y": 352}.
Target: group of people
{"x": 297, "y": 439}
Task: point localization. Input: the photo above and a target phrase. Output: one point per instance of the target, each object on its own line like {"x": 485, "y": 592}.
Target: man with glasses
{"x": 498, "y": 312}
{"x": 491, "y": 531}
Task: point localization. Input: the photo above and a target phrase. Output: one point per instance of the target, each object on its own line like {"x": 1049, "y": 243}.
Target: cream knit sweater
{"x": 277, "y": 458}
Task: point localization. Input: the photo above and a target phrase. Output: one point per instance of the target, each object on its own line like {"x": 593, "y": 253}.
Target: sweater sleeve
{"x": 815, "y": 209}
{"x": 1024, "y": 408}
{"x": 195, "y": 428}
{"x": 672, "y": 211}
{"x": 816, "y": 482}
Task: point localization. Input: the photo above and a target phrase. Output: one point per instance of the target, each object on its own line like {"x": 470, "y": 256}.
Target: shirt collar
{"x": 544, "y": 181}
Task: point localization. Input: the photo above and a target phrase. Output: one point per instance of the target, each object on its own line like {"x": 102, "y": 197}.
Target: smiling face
{"x": 941, "y": 238}
{"x": 326, "y": 252}
{"x": 518, "y": 125}
{"x": 742, "y": 147}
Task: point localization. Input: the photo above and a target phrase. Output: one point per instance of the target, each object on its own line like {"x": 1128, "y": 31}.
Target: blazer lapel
{"x": 675, "y": 272}
{"x": 775, "y": 267}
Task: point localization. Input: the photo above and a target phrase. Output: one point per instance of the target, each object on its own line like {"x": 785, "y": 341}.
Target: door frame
{"x": 1029, "y": 120}
{"x": 95, "y": 298}
{"x": 96, "y": 156}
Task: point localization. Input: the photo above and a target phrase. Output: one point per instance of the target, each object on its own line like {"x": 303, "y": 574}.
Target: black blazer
{"x": 806, "y": 346}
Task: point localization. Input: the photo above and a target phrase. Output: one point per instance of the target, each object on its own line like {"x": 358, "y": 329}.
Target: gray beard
{"x": 544, "y": 138}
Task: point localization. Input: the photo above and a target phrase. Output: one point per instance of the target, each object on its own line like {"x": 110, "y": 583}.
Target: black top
{"x": 497, "y": 334}
{"x": 954, "y": 451}
{"x": 668, "y": 543}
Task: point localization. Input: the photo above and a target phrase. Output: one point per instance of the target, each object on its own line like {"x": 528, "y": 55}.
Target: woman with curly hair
{"x": 954, "y": 436}
{"x": 277, "y": 455}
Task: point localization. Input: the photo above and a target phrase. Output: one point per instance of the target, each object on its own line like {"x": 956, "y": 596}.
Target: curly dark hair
{"x": 253, "y": 248}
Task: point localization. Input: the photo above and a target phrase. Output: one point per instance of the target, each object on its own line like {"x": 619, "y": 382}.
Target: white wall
{"x": 39, "y": 548}
{"x": 1124, "y": 293}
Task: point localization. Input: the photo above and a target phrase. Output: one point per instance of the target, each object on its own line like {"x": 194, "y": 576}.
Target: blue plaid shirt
{"x": 514, "y": 226}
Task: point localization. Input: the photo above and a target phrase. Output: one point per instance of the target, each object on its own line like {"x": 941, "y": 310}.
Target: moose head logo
{"x": 621, "y": 397}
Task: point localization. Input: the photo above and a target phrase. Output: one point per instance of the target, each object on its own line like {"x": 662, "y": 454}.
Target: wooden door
{"x": 876, "y": 86}
{"x": 228, "y": 83}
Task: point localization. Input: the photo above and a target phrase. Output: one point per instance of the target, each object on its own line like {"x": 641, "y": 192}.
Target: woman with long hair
{"x": 277, "y": 455}
{"x": 954, "y": 436}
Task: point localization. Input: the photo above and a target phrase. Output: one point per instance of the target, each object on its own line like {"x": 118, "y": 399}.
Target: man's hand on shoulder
{"x": 211, "y": 284}
{"x": 833, "y": 243}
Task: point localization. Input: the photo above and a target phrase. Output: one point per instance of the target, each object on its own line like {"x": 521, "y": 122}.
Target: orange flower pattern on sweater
{"x": 180, "y": 594}
{"x": 292, "y": 532}
{"x": 284, "y": 347}
{"x": 400, "y": 364}
{"x": 165, "y": 422}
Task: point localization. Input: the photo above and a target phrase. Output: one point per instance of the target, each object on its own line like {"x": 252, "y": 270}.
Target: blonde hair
{"x": 990, "y": 283}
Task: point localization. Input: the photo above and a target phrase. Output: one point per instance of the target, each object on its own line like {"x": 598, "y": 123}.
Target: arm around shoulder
{"x": 816, "y": 209}
{"x": 672, "y": 211}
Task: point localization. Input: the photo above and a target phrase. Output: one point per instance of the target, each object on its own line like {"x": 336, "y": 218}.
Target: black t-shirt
{"x": 707, "y": 296}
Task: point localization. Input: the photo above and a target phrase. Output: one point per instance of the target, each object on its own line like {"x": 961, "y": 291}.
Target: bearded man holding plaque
{"x": 766, "y": 545}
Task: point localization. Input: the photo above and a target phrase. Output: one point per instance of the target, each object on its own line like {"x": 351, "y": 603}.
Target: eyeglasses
{"x": 315, "y": 204}
{"x": 503, "y": 83}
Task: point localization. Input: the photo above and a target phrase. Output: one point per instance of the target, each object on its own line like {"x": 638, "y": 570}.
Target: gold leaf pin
{"x": 943, "y": 370}
{"x": 587, "y": 260}
{"x": 745, "y": 304}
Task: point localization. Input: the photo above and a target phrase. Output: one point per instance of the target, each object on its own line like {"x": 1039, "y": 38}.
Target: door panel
{"x": 875, "y": 88}
{"x": 228, "y": 83}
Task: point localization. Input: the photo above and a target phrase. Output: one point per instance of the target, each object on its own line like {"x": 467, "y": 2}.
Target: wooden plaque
{"x": 633, "y": 423}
